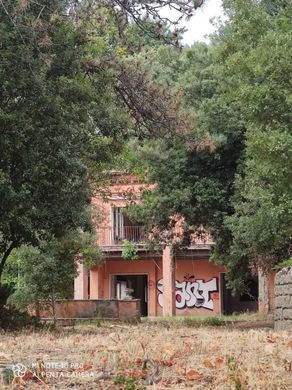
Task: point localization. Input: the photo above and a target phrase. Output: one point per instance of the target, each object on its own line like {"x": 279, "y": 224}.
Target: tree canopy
{"x": 69, "y": 96}
{"x": 210, "y": 125}
{"x": 233, "y": 173}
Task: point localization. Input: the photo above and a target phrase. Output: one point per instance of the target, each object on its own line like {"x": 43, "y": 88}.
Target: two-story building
{"x": 200, "y": 287}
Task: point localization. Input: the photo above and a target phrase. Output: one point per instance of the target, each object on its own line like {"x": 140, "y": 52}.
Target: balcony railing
{"x": 108, "y": 236}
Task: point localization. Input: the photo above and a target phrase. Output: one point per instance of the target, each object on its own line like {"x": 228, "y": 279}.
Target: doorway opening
{"x": 239, "y": 303}
{"x": 131, "y": 287}
{"x": 123, "y": 228}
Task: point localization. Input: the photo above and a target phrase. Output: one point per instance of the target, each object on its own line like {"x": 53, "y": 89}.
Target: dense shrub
{"x": 10, "y": 317}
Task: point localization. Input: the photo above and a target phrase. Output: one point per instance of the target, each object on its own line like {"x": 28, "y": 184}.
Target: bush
{"x": 283, "y": 264}
{"x": 14, "y": 319}
{"x": 129, "y": 251}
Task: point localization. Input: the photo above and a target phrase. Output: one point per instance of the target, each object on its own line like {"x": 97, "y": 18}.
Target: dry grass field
{"x": 149, "y": 356}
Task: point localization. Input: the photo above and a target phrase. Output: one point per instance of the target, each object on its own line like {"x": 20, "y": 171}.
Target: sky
{"x": 199, "y": 25}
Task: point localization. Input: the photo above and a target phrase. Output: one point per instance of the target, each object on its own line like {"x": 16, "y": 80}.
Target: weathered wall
{"x": 266, "y": 291}
{"x": 192, "y": 278}
{"x": 283, "y": 299}
{"x": 108, "y": 309}
{"x": 122, "y": 184}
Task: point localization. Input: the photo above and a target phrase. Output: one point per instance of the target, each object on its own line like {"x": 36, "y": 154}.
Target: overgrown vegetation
{"x": 233, "y": 173}
{"x": 129, "y": 251}
{"x": 71, "y": 93}
{"x": 12, "y": 318}
{"x": 87, "y": 85}
{"x": 283, "y": 264}
{"x": 116, "y": 356}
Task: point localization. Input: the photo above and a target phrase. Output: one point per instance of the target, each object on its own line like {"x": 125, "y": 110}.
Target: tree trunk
{"x": 54, "y": 306}
{"x": 5, "y": 257}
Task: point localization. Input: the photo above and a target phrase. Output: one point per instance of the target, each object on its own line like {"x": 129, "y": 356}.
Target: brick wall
{"x": 283, "y": 299}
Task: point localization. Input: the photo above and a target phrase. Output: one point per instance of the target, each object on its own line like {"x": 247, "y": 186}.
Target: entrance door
{"x": 232, "y": 303}
{"x": 118, "y": 225}
{"x": 123, "y": 284}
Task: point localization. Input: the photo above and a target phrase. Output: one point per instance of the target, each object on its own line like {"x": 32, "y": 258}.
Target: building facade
{"x": 187, "y": 283}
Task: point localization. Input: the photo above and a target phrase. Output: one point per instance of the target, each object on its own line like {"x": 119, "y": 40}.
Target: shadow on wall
{"x": 239, "y": 303}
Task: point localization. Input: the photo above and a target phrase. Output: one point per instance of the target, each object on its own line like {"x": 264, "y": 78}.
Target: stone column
{"x": 168, "y": 265}
{"x": 264, "y": 301}
{"x": 81, "y": 283}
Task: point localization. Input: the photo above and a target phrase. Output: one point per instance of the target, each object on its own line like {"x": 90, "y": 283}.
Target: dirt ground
{"x": 147, "y": 356}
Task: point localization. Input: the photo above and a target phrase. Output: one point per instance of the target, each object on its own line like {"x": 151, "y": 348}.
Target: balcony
{"x": 108, "y": 237}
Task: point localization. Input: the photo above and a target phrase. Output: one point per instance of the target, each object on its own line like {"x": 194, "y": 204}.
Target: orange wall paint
{"x": 128, "y": 267}
{"x": 116, "y": 197}
{"x": 201, "y": 269}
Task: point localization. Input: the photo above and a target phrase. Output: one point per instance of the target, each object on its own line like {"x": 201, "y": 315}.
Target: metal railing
{"x": 108, "y": 236}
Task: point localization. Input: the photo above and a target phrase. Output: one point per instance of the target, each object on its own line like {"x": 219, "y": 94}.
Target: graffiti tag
{"x": 190, "y": 294}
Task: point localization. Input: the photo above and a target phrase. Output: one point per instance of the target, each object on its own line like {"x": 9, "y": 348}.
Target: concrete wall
{"x": 266, "y": 291}
{"x": 108, "y": 309}
{"x": 283, "y": 299}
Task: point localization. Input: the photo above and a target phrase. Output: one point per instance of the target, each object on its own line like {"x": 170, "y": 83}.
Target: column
{"x": 81, "y": 283}
{"x": 168, "y": 271}
{"x": 96, "y": 282}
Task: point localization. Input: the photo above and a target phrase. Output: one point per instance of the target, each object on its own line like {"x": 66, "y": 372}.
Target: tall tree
{"x": 238, "y": 181}
{"x": 68, "y": 97}
{"x": 194, "y": 170}
{"x": 261, "y": 224}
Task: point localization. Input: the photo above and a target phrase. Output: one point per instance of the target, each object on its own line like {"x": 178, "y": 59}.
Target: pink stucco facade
{"x": 186, "y": 283}
{"x": 188, "y": 293}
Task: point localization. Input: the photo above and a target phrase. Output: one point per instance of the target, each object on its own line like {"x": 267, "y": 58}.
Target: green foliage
{"x": 5, "y": 291}
{"x": 54, "y": 122}
{"x": 46, "y": 272}
{"x": 233, "y": 174}
{"x": 283, "y": 264}
{"x": 214, "y": 321}
{"x": 13, "y": 319}
{"x": 129, "y": 251}
{"x": 208, "y": 321}
{"x": 125, "y": 381}
{"x": 261, "y": 223}
{"x": 194, "y": 171}
{"x": 70, "y": 93}
{"x": 92, "y": 256}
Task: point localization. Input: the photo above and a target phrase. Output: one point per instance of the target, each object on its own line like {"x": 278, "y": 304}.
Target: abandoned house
{"x": 200, "y": 286}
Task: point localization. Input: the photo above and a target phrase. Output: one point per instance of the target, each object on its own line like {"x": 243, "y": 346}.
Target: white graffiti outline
{"x": 191, "y": 294}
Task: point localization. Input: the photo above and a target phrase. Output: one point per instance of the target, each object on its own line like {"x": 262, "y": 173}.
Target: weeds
{"x": 214, "y": 321}
{"x": 162, "y": 355}
{"x": 126, "y": 382}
